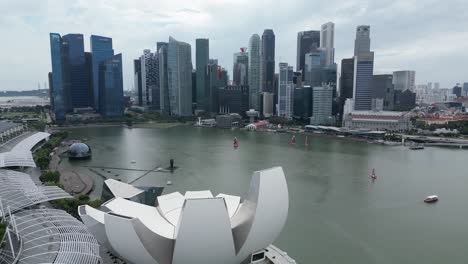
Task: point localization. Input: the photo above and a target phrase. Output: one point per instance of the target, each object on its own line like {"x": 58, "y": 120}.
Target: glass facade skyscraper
{"x": 163, "y": 81}
{"x": 179, "y": 72}
{"x": 254, "y": 72}
{"x": 59, "y": 94}
{"x": 307, "y": 41}
{"x": 111, "y": 87}
{"x": 285, "y": 105}
{"x": 268, "y": 61}
{"x": 101, "y": 49}
{"x": 363, "y": 69}
{"x": 202, "y": 56}
{"x": 241, "y": 68}
{"x": 76, "y": 69}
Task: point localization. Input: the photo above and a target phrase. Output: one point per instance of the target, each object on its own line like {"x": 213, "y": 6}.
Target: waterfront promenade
{"x": 72, "y": 181}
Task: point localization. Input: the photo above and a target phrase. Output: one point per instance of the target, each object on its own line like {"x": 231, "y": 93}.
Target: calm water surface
{"x": 337, "y": 215}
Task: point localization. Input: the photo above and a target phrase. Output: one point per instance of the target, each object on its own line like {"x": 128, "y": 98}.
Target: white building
{"x": 197, "y": 227}
{"x": 327, "y": 42}
{"x": 377, "y": 120}
{"x": 285, "y": 91}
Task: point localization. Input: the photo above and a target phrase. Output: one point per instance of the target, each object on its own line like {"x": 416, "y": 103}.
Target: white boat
{"x": 133, "y": 161}
{"x": 431, "y": 199}
{"x": 169, "y": 182}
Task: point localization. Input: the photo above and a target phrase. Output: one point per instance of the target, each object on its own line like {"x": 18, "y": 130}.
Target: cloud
{"x": 426, "y": 36}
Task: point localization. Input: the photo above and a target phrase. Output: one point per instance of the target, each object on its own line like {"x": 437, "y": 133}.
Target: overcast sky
{"x": 428, "y": 36}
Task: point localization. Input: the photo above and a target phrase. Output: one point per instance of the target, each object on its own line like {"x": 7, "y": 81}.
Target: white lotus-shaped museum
{"x": 197, "y": 227}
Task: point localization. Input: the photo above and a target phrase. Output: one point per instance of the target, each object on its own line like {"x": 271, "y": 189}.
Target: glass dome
{"x": 79, "y": 151}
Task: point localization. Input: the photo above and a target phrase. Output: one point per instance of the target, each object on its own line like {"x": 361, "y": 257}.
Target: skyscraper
{"x": 404, "y": 80}
{"x": 307, "y": 41}
{"x": 268, "y": 60}
{"x": 322, "y": 105}
{"x": 179, "y": 72}
{"x": 254, "y": 72}
{"x": 363, "y": 69}
{"x": 101, "y": 49}
{"x": 111, "y": 87}
{"x": 240, "y": 68}
{"x": 60, "y": 91}
{"x": 163, "y": 81}
{"x": 382, "y": 88}
{"x": 76, "y": 69}
{"x": 149, "y": 78}
{"x": 202, "y": 52}
{"x": 285, "y": 104}
{"x": 75, "y": 83}
{"x": 137, "y": 80}
{"x": 327, "y": 42}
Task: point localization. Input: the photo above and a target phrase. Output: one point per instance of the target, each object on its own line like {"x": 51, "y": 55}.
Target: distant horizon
{"x": 400, "y": 36}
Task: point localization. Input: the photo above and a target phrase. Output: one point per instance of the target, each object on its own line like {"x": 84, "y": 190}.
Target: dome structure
{"x": 79, "y": 151}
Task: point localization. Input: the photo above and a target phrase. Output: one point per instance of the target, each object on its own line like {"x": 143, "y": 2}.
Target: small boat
{"x": 416, "y": 147}
{"x": 236, "y": 142}
{"x": 169, "y": 182}
{"x": 133, "y": 161}
{"x": 431, "y": 199}
{"x": 373, "y": 176}
{"x": 292, "y": 141}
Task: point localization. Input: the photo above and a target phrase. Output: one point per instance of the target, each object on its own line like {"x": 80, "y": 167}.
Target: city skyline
{"x": 396, "y": 47}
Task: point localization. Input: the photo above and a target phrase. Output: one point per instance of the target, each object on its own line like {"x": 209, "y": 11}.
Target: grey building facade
{"x": 179, "y": 72}
{"x": 285, "y": 103}
{"x": 307, "y": 41}
{"x": 322, "y": 106}
{"x": 382, "y": 88}
{"x": 254, "y": 72}
{"x": 234, "y": 99}
{"x": 241, "y": 68}
{"x": 202, "y": 55}
{"x": 363, "y": 69}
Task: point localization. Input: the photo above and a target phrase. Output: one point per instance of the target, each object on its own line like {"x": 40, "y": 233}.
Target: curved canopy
{"x": 18, "y": 191}
{"x": 53, "y": 236}
{"x": 20, "y": 155}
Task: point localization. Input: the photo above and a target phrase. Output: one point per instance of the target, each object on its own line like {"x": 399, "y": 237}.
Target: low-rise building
{"x": 378, "y": 120}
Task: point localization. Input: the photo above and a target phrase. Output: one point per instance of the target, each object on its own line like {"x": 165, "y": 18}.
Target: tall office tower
{"x": 322, "y": 106}
{"x": 313, "y": 64}
{"x": 436, "y": 86}
{"x": 101, "y": 49}
{"x": 194, "y": 87}
{"x": 179, "y": 72}
{"x": 149, "y": 77}
{"x": 59, "y": 93}
{"x": 382, "y": 88}
{"x": 268, "y": 61}
{"x": 404, "y": 80}
{"x": 346, "y": 79}
{"x": 111, "y": 87}
{"x": 307, "y": 41}
{"x": 75, "y": 67}
{"x": 327, "y": 42}
{"x": 268, "y": 102}
{"x": 163, "y": 81}
{"x": 241, "y": 67}
{"x": 51, "y": 90}
{"x": 214, "y": 83}
{"x": 137, "y": 80}
{"x": 363, "y": 69}
{"x": 254, "y": 72}
{"x": 457, "y": 90}
{"x": 429, "y": 86}
{"x": 202, "y": 55}
{"x": 285, "y": 104}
